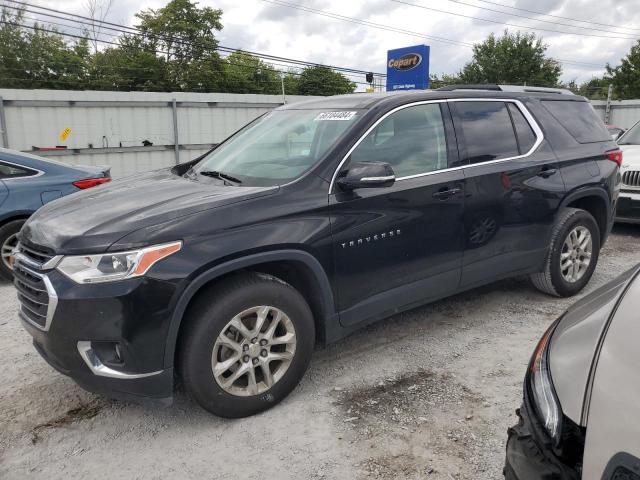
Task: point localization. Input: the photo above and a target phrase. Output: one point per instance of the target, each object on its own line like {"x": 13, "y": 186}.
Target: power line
{"x": 80, "y": 37}
{"x": 383, "y": 27}
{"x": 556, "y": 16}
{"x": 367, "y": 23}
{"x": 424, "y": 7}
{"x": 49, "y": 22}
{"x": 136, "y": 31}
{"x": 535, "y": 19}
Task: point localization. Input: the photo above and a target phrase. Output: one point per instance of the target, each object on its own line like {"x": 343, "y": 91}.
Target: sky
{"x": 448, "y": 26}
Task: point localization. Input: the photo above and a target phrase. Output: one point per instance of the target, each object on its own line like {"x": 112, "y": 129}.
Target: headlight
{"x": 110, "y": 267}
{"x": 542, "y": 393}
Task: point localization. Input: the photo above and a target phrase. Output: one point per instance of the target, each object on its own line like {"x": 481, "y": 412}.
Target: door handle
{"x": 444, "y": 194}
{"x": 548, "y": 172}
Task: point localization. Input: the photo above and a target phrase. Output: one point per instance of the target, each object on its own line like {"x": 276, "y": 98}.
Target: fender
{"x": 587, "y": 192}
{"x": 307, "y": 259}
{"x": 593, "y": 192}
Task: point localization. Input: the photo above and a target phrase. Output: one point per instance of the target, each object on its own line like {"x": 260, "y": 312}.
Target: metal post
{"x": 284, "y": 98}
{"x": 607, "y": 110}
{"x": 3, "y": 125}
{"x": 176, "y": 142}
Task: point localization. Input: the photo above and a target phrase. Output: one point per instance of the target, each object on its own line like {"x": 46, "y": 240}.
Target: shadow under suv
{"x": 310, "y": 222}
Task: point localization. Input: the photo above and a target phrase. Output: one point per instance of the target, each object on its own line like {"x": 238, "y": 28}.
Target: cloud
{"x": 261, "y": 26}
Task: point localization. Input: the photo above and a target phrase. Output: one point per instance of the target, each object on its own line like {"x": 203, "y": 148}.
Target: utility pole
{"x": 284, "y": 98}
{"x": 607, "y": 110}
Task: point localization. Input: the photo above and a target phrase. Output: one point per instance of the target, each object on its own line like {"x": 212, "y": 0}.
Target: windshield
{"x": 275, "y": 148}
{"x": 632, "y": 137}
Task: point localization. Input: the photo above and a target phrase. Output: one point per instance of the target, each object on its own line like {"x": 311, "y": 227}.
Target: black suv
{"x": 310, "y": 222}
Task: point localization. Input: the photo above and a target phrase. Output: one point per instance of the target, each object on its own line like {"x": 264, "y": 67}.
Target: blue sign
{"x": 408, "y": 68}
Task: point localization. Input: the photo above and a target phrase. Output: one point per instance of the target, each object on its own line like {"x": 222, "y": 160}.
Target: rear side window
{"x": 579, "y": 119}
{"x": 13, "y": 171}
{"x": 487, "y": 130}
{"x": 524, "y": 133}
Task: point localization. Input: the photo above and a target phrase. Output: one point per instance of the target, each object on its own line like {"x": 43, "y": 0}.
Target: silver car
{"x": 580, "y": 418}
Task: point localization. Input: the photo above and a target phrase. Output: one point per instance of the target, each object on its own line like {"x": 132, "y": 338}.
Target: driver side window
{"x": 411, "y": 140}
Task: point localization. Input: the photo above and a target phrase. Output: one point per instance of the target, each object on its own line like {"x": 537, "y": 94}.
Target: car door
{"x": 400, "y": 245}
{"x": 513, "y": 189}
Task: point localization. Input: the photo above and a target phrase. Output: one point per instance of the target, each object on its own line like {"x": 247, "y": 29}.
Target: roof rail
{"x": 507, "y": 88}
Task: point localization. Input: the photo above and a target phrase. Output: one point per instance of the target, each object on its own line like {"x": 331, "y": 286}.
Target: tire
{"x": 552, "y": 280}
{"x": 202, "y": 345}
{"x": 8, "y": 232}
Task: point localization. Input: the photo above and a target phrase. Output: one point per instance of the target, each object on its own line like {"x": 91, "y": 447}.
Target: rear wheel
{"x": 573, "y": 254}
{"x": 246, "y": 345}
{"x": 8, "y": 242}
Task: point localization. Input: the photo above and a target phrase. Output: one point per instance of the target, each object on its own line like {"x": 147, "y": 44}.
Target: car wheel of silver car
{"x": 8, "y": 242}
{"x": 247, "y": 349}
{"x": 573, "y": 254}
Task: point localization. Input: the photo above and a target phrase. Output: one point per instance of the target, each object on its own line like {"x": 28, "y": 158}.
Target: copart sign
{"x": 408, "y": 68}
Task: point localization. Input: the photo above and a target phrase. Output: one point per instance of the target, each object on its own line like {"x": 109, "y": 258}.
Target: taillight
{"x": 91, "y": 182}
{"x": 615, "y": 156}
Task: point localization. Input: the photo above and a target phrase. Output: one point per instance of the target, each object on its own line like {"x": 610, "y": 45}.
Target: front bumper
{"x": 90, "y": 320}
{"x": 628, "y": 207}
{"x": 530, "y": 454}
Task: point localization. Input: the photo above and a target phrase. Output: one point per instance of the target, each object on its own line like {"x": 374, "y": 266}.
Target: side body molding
{"x": 328, "y": 305}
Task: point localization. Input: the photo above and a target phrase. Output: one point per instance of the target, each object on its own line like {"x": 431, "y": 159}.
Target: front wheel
{"x": 573, "y": 254}
{"x": 8, "y": 242}
{"x": 246, "y": 345}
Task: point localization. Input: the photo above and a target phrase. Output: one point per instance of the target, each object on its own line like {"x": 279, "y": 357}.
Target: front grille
{"x": 631, "y": 179}
{"x": 35, "y": 292}
{"x": 36, "y": 255}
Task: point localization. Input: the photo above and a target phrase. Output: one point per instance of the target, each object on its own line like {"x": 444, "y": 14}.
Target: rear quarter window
{"x": 13, "y": 171}
{"x": 579, "y": 119}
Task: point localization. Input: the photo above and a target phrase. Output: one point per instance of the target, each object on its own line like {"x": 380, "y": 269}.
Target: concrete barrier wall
{"x": 624, "y": 113}
{"x": 112, "y": 128}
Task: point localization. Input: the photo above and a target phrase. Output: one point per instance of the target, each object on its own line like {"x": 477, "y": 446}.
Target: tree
{"x": 183, "y": 33}
{"x": 626, "y": 76}
{"x": 514, "y": 58}
{"x": 443, "y": 81}
{"x": 595, "y": 89}
{"x": 98, "y": 10}
{"x": 129, "y": 67}
{"x": 321, "y": 81}
{"x": 39, "y": 57}
{"x": 244, "y": 73}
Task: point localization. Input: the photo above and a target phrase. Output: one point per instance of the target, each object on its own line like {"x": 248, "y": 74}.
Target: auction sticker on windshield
{"x": 335, "y": 116}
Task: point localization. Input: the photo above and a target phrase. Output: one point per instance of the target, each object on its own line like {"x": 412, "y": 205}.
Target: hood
{"x": 91, "y": 220}
{"x": 575, "y": 341}
{"x": 630, "y": 157}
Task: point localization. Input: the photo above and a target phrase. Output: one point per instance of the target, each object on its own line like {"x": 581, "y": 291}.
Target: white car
{"x": 628, "y": 208}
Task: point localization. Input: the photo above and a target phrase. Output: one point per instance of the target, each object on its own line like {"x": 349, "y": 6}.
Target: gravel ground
{"x": 425, "y": 394}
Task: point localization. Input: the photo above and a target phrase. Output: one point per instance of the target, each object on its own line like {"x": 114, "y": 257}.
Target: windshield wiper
{"x": 220, "y": 175}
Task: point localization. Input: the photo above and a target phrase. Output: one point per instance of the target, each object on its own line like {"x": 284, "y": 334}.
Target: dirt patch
{"x": 405, "y": 399}
{"x": 392, "y": 467}
{"x": 83, "y": 412}
{"x": 414, "y": 425}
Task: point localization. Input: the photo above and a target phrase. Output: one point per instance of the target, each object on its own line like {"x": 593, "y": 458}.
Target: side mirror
{"x": 367, "y": 175}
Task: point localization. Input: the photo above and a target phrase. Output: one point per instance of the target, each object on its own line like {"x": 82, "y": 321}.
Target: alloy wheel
{"x": 253, "y": 351}
{"x": 575, "y": 256}
{"x": 7, "y": 250}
